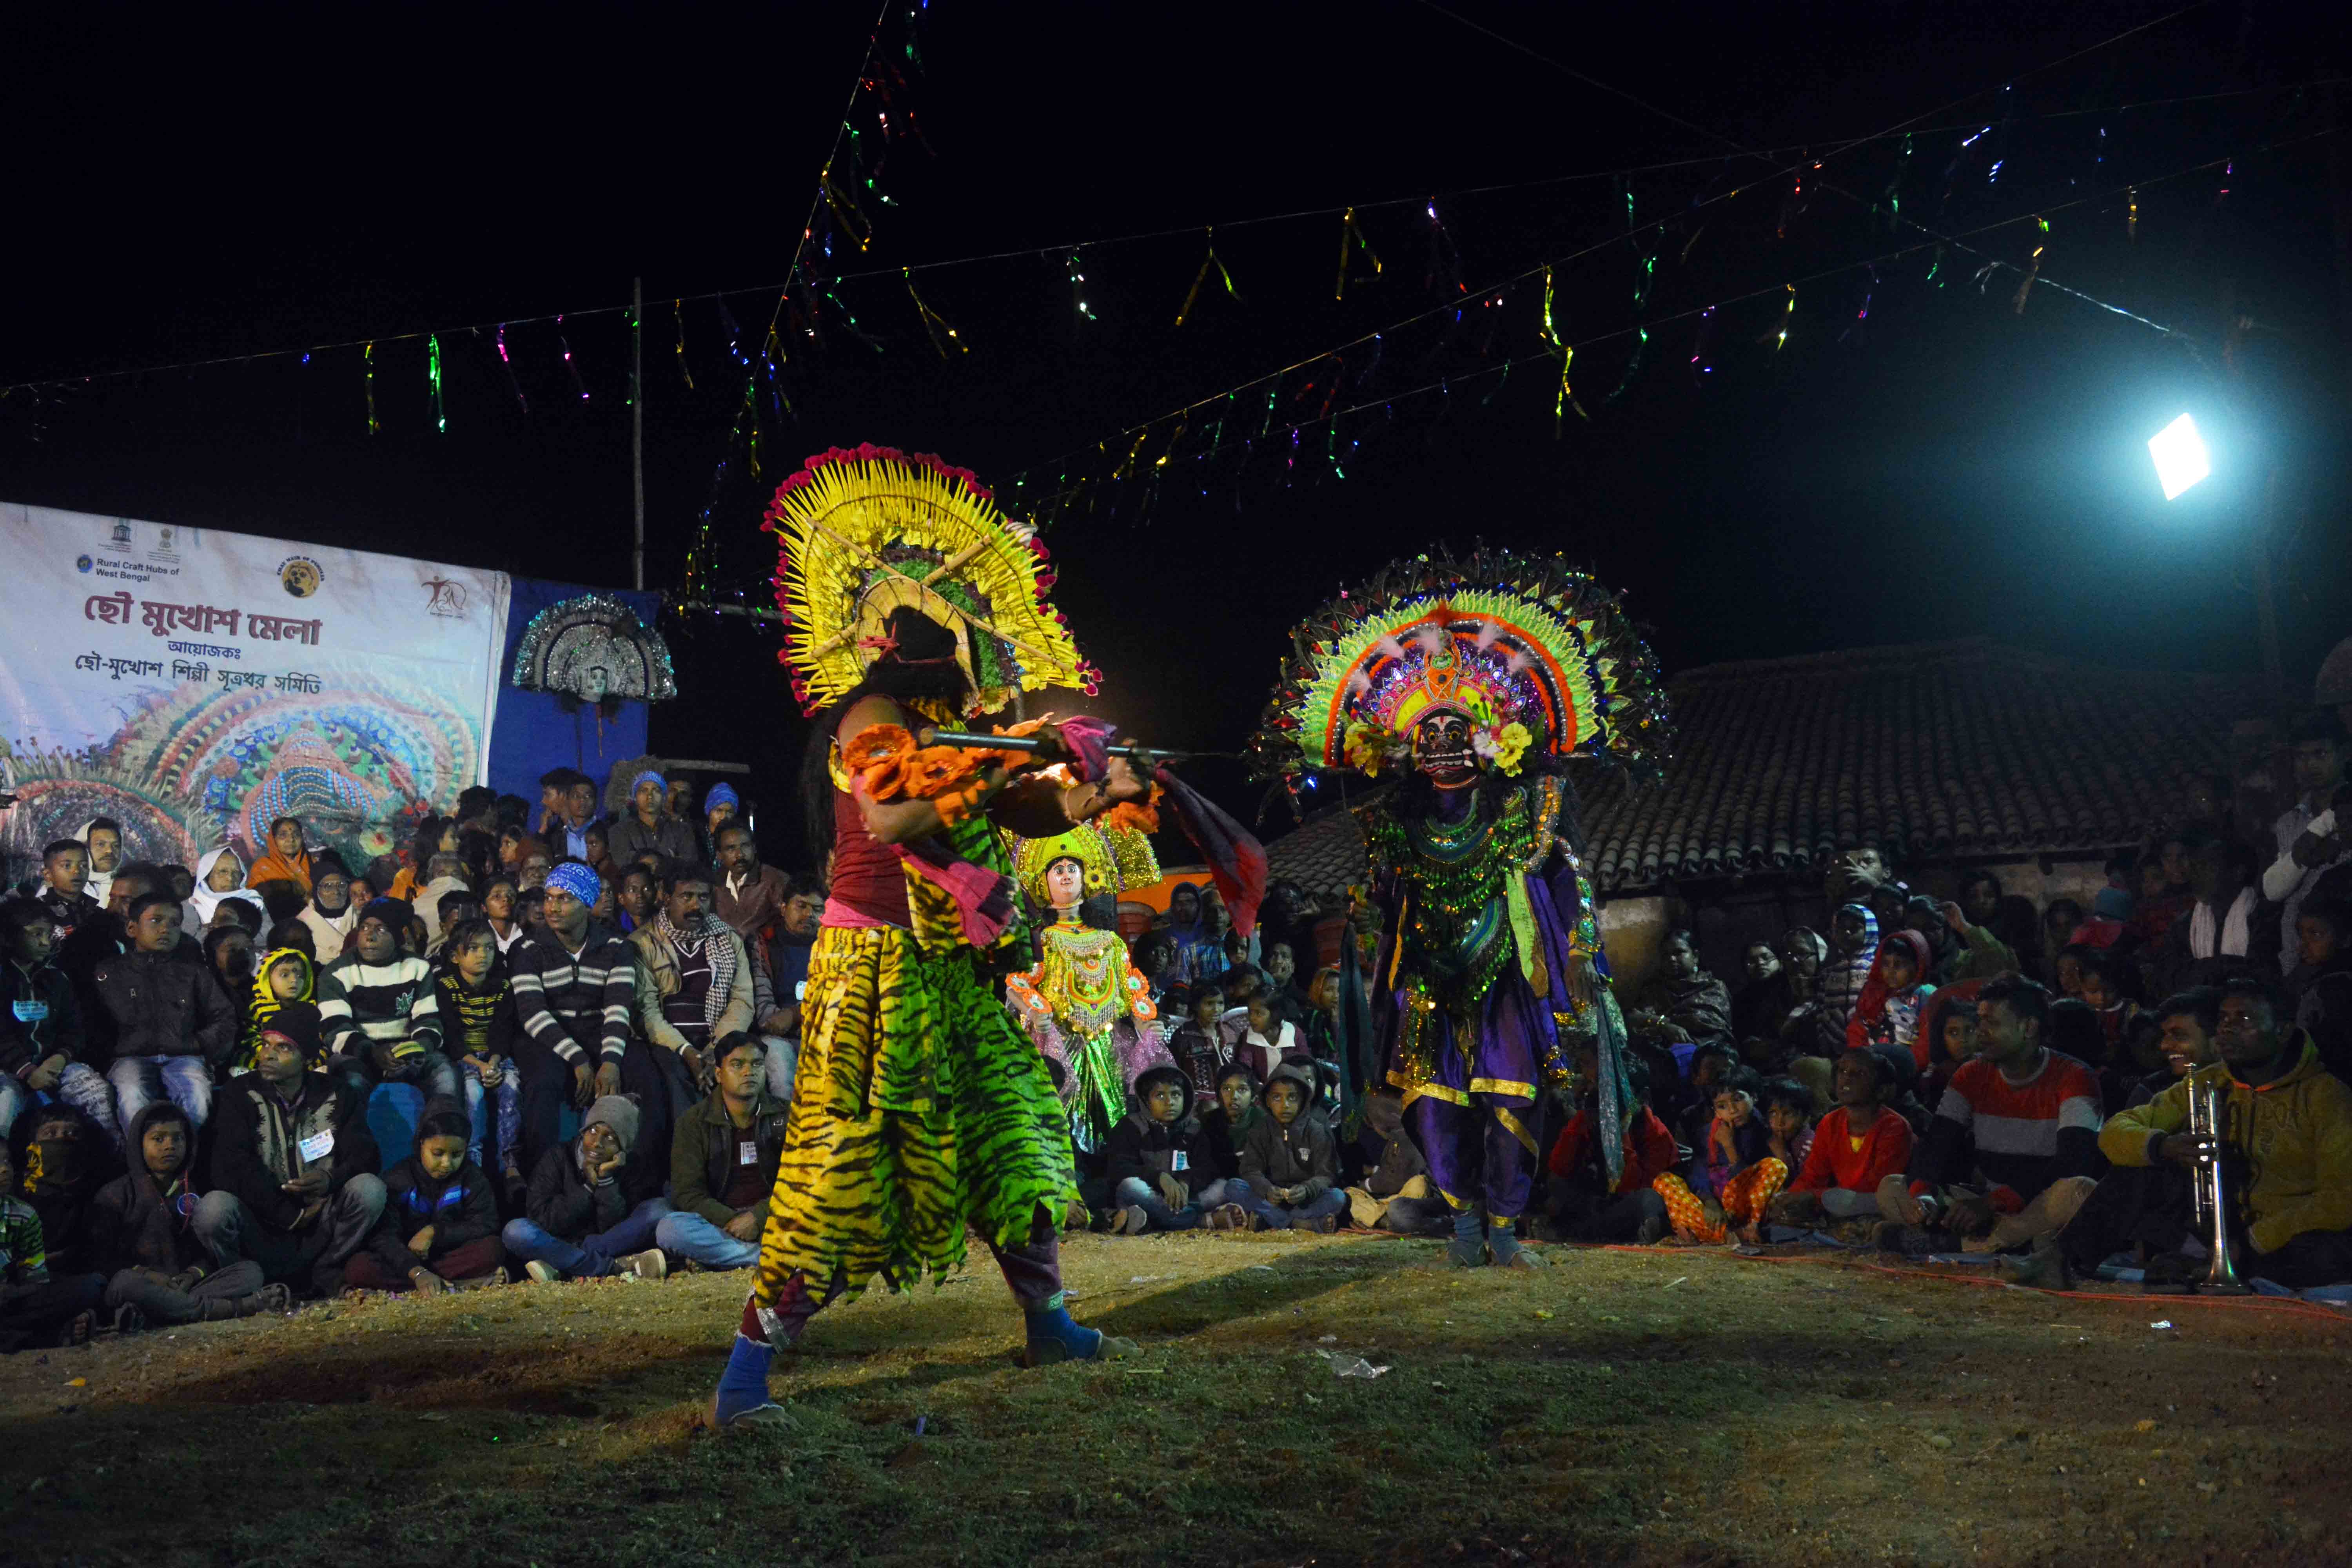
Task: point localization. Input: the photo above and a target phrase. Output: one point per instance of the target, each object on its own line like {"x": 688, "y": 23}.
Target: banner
{"x": 194, "y": 685}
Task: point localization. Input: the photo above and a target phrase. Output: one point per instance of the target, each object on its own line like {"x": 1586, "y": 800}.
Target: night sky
{"x": 191, "y": 186}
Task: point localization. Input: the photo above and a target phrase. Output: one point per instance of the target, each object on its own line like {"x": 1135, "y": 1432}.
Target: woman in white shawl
{"x": 218, "y": 874}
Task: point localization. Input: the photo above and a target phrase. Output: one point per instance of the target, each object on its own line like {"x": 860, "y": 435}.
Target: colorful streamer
{"x": 1208, "y": 261}
{"x": 433, "y": 383}
{"x": 512, "y": 384}
{"x": 367, "y": 356}
{"x": 577, "y": 384}
{"x": 943, "y": 336}
{"x": 1351, "y": 234}
{"x": 678, "y": 313}
{"x": 1078, "y": 287}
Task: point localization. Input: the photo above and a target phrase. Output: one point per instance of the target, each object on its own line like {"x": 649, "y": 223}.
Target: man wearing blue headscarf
{"x": 649, "y": 833}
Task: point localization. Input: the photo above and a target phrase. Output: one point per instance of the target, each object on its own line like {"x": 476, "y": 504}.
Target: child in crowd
{"x": 1856, "y": 1146}
{"x": 578, "y": 1223}
{"x": 282, "y": 998}
{"x": 1159, "y": 1164}
{"x": 1887, "y": 1014}
{"x": 34, "y": 1308}
{"x": 439, "y": 1229}
{"x": 1395, "y": 1195}
{"x": 1288, "y": 1172}
{"x": 1195, "y": 1046}
{"x": 1733, "y": 1178}
{"x": 65, "y": 875}
{"x": 478, "y": 1015}
{"x": 1262, "y": 1041}
{"x": 1788, "y": 1121}
{"x": 1230, "y": 1117}
{"x": 143, "y": 1242}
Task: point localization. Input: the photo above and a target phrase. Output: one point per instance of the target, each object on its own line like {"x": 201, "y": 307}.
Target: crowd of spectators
{"x": 589, "y": 1029}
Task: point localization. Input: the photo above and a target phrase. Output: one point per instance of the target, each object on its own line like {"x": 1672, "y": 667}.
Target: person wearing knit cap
{"x": 648, "y": 831}
{"x": 578, "y": 1223}
{"x": 575, "y": 992}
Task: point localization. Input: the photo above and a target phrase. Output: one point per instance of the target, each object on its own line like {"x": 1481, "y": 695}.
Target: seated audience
{"x": 439, "y": 1228}
{"x": 65, "y": 878}
{"x": 2289, "y": 1126}
{"x": 635, "y": 895}
{"x": 1580, "y": 1203}
{"x": 43, "y": 1045}
{"x": 35, "y": 1308}
{"x": 2321, "y": 981}
{"x": 648, "y": 832}
{"x": 1886, "y": 1015}
{"x": 2224, "y": 932}
{"x": 1855, "y": 1149}
{"x": 1395, "y": 1193}
{"x": 1691, "y": 1004}
{"x": 285, "y": 864}
{"x": 283, "y": 998}
{"x": 294, "y": 1183}
{"x": 1261, "y": 1042}
{"x": 749, "y": 895}
{"x": 1197, "y": 1044}
{"x": 1289, "y": 1175}
{"x": 1787, "y": 1120}
{"x": 722, "y": 1161}
{"x": 579, "y": 1222}
{"x": 1963, "y": 949}
{"x": 143, "y": 1237}
{"x": 1156, "y": 1160}
{"x": 103, "y": 838}
{"x": 696, "y": 981}
{"x": 501, "y": 901}
{"x": 379, "y": 1016}
{"x": 1727, "y": 1186}
{"x": 478, "y": 1021}
{"x": 1764, "y": 1003}
{"x": 330, "y": 912}
{"x": 2012, "y": 1150}
{"x": 170, "y": 1025}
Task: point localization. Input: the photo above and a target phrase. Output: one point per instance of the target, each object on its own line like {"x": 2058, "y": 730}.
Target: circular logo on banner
{"x": 300, "y": 574}
{"x": 81, "y": 563}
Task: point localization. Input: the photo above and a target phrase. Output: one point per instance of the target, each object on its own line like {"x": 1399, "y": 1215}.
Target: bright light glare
{"x": 2179, "y": 454}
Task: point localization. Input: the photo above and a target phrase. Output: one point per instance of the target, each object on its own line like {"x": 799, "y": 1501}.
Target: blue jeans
{"x": 82, "y": 1087}
{"x": 591, "y": 1255}
{"x": 431, "y": 1074}
{"x": 784, "y": 1066}
{"x": 508, "y": 1098}
{"x": 691, "y": 1235}
{"x": 1279, "y": 1216}
{"x": 140, "y": 1082}
{"x": 1137, "y": 1192}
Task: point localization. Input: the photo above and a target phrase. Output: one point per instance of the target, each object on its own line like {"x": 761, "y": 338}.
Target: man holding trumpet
{"x": 2281, "y": 1140}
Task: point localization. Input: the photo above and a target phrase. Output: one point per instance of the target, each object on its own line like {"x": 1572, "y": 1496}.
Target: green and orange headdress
{"x": 1536, "y": 656}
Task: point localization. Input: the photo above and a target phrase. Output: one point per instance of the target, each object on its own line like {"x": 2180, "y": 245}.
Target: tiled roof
{"x": 1324, "y": 855}
{"x": 1937, "y": 750}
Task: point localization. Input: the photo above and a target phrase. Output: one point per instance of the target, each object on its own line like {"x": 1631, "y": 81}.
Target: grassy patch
{"x": 1619, "y": 1406}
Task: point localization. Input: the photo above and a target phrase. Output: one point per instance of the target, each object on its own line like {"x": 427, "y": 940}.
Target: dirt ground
{"x": 1635, "y": 1406}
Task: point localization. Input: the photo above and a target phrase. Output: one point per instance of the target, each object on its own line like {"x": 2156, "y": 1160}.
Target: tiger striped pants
{"x": 1745, "y": 1198}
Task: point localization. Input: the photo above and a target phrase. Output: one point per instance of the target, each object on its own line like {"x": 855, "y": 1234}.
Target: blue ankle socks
{"x": 1055, "y": 1325}
{"x": 744, "y": 1385}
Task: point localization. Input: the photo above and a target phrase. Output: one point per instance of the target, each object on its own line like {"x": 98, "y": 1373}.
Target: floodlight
{"x": 2179, "y": 454}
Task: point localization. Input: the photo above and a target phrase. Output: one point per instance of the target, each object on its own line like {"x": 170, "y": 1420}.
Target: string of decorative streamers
{"x": 1086, "y": 479}
{"x": 1065, "y": 251}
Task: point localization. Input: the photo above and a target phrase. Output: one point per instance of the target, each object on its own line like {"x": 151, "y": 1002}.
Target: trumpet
{"x": 2208, "y": 1124}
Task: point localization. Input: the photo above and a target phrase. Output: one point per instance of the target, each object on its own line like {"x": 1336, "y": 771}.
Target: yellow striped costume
{"x": 920, "y": 1107}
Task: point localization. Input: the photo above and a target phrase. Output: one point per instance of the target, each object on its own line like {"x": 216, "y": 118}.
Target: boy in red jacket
{"x": 1856, "y": 1146}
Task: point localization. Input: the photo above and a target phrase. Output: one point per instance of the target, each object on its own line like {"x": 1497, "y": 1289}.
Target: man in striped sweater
{"x": 2013, "y": 1148}
{"x": 378, "y": 1015}
{"x": 575, "y": 994}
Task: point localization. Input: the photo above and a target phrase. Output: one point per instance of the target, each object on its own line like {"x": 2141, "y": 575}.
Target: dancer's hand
{"x": 1126, "y": 781}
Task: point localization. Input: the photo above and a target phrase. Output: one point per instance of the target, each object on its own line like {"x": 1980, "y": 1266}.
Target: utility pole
{"x": 637, "y": 424}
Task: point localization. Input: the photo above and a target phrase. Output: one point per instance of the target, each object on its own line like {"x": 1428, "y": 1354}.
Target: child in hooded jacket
{"x": 144, "y": 1241}
{"x": 284, "y": 998}
{"x": 439, "y": 1229}
{"x": 1226, "y": 1124}
{"x": 1887, "y": 1014}
{"x": 1157, "y": 1160}
{"x": 1288, "y": 1164}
